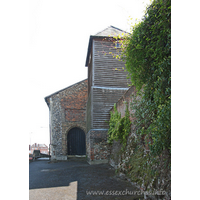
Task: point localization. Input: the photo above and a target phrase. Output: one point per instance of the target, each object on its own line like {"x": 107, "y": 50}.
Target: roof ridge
{"x": 118, "y": 29}
{"x": 63, "y": 89}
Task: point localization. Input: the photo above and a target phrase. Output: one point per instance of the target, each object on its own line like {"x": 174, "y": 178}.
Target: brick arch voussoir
{"x": 75, "y": 126}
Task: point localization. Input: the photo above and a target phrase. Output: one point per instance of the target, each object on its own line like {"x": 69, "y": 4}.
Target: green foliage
{"x": 148, "y": 60}
{"x": 146, "y": 170}
{"x": 147, "y": 54}
{"x": 139, "y": 169}
{"x": 119, "y": 128}
{"x": 148, "y": 49}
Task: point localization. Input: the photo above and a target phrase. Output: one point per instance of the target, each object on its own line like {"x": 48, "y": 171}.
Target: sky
{"x": 59, "y": 34}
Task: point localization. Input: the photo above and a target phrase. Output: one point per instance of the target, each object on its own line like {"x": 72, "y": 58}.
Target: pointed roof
{"x": 110, "y": 31}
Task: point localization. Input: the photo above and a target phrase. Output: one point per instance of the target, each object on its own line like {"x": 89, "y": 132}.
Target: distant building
{"x": 42, "y": 147}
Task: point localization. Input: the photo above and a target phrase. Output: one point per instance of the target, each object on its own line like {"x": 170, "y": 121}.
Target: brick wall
{"x": 125, "y": 100}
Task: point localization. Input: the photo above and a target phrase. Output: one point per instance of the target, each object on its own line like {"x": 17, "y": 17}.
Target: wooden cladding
{"x": 88, "y": 114}
{"x": 103, "y": 101}
{"x": 76, "y": 142}
{"x": 108, "y": 71}
{"x": 107, "y": 82}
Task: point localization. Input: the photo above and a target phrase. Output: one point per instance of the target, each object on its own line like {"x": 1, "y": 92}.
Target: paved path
{"x": 76, "y": 179}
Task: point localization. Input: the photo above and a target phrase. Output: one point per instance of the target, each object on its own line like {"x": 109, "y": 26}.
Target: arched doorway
{"x": 76, "y": 142}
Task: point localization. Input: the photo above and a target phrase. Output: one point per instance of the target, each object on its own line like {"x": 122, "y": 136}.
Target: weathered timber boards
{"x": 88, "y": 115}
{"x": 103, "y": 101}
{"x": 108, "y": 71}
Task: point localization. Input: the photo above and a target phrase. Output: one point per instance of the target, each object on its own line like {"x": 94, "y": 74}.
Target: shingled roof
{"x": 111, "y": 31}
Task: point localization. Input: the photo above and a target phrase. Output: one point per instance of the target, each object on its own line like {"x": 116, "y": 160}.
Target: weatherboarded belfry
{"x": 79, "y": 114}
{"x": 107, "y": 82}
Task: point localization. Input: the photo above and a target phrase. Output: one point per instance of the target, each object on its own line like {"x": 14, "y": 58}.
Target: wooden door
{"x": 76, "y": 142}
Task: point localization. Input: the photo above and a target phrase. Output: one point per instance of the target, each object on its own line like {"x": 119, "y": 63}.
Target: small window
{"x": 118, "y": 44}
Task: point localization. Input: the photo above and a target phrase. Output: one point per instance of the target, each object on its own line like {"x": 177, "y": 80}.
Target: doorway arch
{"x": 76, "y": 142}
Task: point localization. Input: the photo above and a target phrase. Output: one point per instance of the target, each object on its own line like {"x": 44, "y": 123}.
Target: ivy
{"x": 119, "y": 127}
{"x": 147, "y": 54}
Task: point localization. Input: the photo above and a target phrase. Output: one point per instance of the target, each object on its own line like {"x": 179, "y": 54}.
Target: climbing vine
{"x": 147, "y": 54}
{"x": 119, "y": 127}
{"x": 148, "y": 61}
